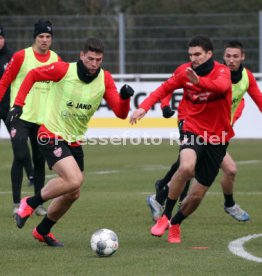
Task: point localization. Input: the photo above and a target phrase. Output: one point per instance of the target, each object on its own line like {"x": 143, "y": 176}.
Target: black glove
{"x": 167, "y": 112}
{"x": 14, "y": 113}
{"x": 126, "y": 92}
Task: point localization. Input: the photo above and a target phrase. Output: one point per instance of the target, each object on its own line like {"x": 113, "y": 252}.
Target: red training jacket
{"x": 208, "y": 103}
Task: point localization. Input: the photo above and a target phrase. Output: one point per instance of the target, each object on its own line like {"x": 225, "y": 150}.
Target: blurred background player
{"x": 242, "y": 81}
{"x": 5, "y": 56}
{"x": 27, "y": 126}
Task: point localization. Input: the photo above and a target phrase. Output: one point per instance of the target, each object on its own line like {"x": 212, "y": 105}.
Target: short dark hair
{"x": 201, "y": 41}
{"x": 234, "y": 44}
{"x": 94, "y": 45}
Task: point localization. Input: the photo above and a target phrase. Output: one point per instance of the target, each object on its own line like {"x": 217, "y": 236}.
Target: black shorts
{"x": 54, "y": 150}
{"x": 209, "y": 157}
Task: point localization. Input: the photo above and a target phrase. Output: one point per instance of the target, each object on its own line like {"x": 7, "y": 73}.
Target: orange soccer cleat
{"x": 49, "y": 239}
{"x": 160, "y": 227}
{"x": 23, "y": 213}
{"x": 174, "y": 234}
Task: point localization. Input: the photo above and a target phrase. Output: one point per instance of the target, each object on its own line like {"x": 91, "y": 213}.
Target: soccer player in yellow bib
{"x": 77, "y": 91}
{"x": 27, "y": 126}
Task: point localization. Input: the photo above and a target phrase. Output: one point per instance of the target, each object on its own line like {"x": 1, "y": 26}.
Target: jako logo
{"x": 83, "y": 106}
{"x": 70, "y": 103}
{"x": 79, "y": 105}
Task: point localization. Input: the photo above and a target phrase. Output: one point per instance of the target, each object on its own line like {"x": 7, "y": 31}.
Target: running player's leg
{"x": 38, "y": 159}
{"x": 206, "y": 170}
{"x": 229, "y": 169}
{"x": 39, "y": 166}
{"x": 19, "y": 136}
{"x": 61, "y": 204}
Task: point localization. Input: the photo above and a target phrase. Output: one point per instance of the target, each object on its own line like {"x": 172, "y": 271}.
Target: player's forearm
{"x": 5, "y": 82}
{"x": 162, "y": 92}
{"x": 166, "y": 101}
{"x": 220, "y": 85}
{"x": 119, "y": 106}
{"x": 3, "y": 90}
{"x": 123, "y": 109}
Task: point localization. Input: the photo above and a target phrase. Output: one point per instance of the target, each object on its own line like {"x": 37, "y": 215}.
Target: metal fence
{"x": 141, "y": 44}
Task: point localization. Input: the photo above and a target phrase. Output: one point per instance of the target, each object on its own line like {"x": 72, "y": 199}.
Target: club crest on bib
{"x": 58, "y": 152}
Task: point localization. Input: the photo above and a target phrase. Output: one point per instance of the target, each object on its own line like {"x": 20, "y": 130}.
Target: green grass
{"x": 117, "y": 181}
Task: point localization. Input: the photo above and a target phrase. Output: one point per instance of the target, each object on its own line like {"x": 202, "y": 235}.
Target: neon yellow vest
{"x": 35, "y": 103}
{"x": 238, "y": 91}
{"x": 71, "y": 103}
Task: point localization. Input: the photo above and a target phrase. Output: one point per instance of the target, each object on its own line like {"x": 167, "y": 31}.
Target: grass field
{"x": 118, "y": 179}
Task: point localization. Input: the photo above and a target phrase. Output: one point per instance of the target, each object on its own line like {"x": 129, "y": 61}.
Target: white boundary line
{"x": 244, "y": 162}
{"x": 237, "y": 248}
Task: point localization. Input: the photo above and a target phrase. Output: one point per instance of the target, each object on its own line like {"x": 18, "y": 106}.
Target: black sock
{"x": 163, "y": 182}
{"x": 178, "y": 218}
{"x": 162, "y": 195}
{"x": 184, "y": 193}
{"x": 229, "y": 201}
{"x": 45, "y": 226}
{"x": 35, "y": 200}
{"x": 170, "y": 203}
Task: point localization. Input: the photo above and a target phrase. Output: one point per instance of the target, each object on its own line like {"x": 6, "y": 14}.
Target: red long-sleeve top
{"x": 208, "y": 103}
{"x": 253, "y": 91}
{"x": 55, "y": 72}
{"x": 14, "y": 66}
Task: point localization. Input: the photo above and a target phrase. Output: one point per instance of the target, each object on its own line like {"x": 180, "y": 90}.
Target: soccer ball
{"x": 104, "y": 242}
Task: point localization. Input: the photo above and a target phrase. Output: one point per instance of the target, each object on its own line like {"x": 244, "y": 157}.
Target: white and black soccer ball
{"x": 104, "y": 242}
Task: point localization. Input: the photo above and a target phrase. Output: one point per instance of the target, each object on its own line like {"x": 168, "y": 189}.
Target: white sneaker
{"x": 155, "y": 207}
{"x": 237, "y": 213}
{"x": 15, "y": 208}
{"x": 40, "y": 210}
{"x": 31, "y": 181}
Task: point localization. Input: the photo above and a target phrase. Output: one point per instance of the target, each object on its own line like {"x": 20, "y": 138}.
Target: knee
{"x": 231, "y": 170}
{"x": 20, "y": 156}
{"x": 20, "y": 150}
{"x": 187, "y": 170}
{"x": 39, "y": 161}
{"x": 76, "y": 181}
{"x": 73, "y": 196}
